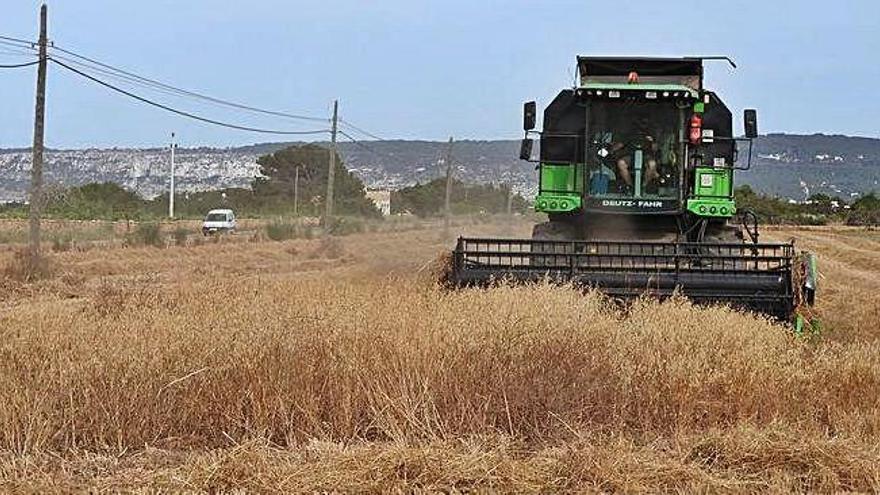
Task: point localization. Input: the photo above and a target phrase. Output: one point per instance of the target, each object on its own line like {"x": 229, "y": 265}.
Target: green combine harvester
{"x": 636, "y": 168}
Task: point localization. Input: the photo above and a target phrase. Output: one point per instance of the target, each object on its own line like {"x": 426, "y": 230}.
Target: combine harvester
{"x": 636, "y": 176}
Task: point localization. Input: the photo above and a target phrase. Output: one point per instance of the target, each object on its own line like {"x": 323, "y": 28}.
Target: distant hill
{"x": 795, "y": 166}
{"x": 783, "y": 165}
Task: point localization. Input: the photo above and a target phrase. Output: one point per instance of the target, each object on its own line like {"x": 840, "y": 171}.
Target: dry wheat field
{"x": 339, "y": 366}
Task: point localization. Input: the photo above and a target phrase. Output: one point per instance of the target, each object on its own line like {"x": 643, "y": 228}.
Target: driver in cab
{"x": 624, "y": 152}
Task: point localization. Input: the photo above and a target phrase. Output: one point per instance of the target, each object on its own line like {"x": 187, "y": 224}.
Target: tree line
{"x": 291, "y": 179}
{"x": 819, "y": 209}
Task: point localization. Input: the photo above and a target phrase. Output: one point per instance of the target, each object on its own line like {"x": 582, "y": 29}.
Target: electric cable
{"x": 189, "y": 93}
{"x": 17, "y": 49}
{"x": 20, "y": 41}
{"x": 181, "y": 112}
{"x": 358, "y": 129}
{"x": 18, "y": 66}
{"x": 116, "y": 76}
{"x": 358, "y": 143}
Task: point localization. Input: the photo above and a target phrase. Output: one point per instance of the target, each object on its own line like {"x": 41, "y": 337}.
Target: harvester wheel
{"x": 552, "y": 255}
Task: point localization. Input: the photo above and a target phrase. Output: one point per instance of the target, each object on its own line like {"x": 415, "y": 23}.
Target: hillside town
{"x": 787, "y": 166}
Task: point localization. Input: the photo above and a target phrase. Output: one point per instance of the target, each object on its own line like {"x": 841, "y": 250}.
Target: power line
{"x": 17, "y": 40}
{"x": 179, "y": 112}
{"x": 192, "y": 94}
{"x": 128, "y": 77}
{"x": 15, "y": 52}
{"x": 116, "y": 76}
{"x": 358, "y": 129}
{"x": 17, "y": 48}
{"x": 358, "y": 143}
{"x": 18, "y": 66}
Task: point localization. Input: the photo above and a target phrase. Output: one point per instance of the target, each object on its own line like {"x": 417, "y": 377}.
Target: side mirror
{"x": 530, "y": 111}
{"x": 525, "y": 149}
{"x": 750, "y": 122}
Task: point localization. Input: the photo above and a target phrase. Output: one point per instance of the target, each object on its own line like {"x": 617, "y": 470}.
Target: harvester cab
{"x": 639, "y": 137}
{"x": 636, "y": 175}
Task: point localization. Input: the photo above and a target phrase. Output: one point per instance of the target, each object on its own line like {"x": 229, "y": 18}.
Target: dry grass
{"x": 741, "y": 460}
{"x": 25, "y": 266}
{"x": 337, "y": 366}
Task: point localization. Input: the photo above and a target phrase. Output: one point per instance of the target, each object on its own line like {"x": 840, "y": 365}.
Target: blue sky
{"x": 426, "y": 69}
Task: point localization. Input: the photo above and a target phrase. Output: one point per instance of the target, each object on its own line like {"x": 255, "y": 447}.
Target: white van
{"x": 218, "y": 221}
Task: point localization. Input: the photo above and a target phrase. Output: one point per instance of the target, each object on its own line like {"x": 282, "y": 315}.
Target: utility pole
{"x": 171, "y": 192}
{"x": 509, "y": 199}
{"x": 331, "y": 171}
{"x": 296, "y": 192}
{"x": 447, "y": 209}
{"x": 36, "y": 199}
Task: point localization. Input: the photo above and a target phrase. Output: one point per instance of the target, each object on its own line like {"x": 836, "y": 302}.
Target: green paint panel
{"x": 558, "y": 203}
{"x": 561, "y": 188}
{"x": 561, "y": 178}
{"x": 712, "y": 207}
{"x": 712, "y": 183}
{"x": 712, "y": 196}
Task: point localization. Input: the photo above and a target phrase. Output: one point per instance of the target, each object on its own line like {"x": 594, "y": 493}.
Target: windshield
{"x": 636, "y": 148}
{"x": 216, "y": 217}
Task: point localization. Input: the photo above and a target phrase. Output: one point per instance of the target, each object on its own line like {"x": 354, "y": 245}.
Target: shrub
{"x": 180, "y": 235}
{"x": 62, "y": 243}
{"x": 347, "y": 226}
{"x": 26, "y": 267}
{"x": 145, "y": 234}
{"x": 281, "y": 231}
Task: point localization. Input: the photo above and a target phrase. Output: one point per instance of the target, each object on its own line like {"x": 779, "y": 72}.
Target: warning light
{"x": 696, "y": 128}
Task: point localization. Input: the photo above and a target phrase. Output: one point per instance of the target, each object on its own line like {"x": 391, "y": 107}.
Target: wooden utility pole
{"x": 36, "y": 199}
{"x": 331, "y": 171}
{"x": 447, "y": 208}
{"x": 509, "y": 199}
{"x": 171, "y": 193}
{"x": 296, "y": 192}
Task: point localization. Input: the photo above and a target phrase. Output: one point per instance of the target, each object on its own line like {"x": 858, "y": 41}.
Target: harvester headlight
{"x": 553, "y": 205}
{"x": 563, "y": 205}
{"x": 712, "y": 210}
{"x": 703, "y": 209}
{"x": 724, "y": 210}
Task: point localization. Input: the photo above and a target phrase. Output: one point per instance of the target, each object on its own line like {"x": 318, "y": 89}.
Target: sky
{"x": 413, "y": 69}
